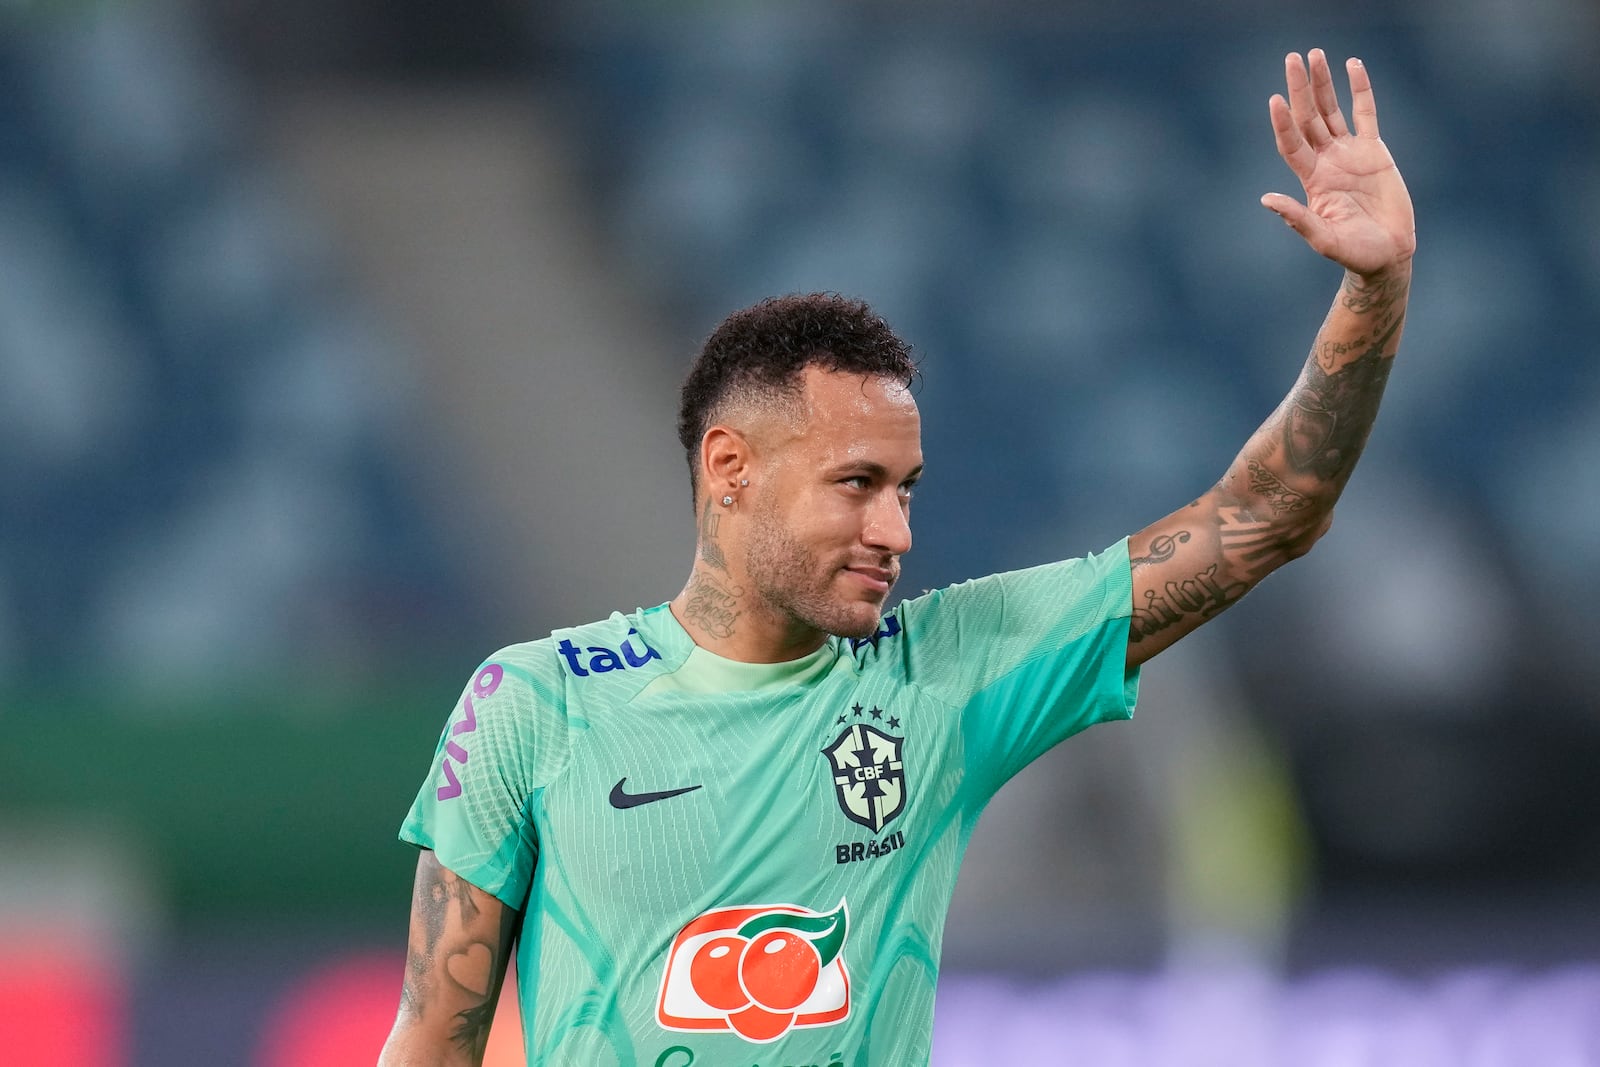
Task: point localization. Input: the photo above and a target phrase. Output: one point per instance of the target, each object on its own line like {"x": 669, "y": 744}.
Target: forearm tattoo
{"x": 1383, "y": 300}
{"x": 1329, "y": 354}
{"x": 1331, "y": 412}
{"x": 1278, "y": 497}
{"x": 1271, "y": 488}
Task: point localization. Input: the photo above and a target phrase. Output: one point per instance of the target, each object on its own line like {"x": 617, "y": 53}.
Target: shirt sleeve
{"x": 1028, "y": 657}
{"x": 475, "y": 807}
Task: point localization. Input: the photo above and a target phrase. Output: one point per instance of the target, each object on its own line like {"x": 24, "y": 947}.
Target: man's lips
{"x": 877, "y": 578}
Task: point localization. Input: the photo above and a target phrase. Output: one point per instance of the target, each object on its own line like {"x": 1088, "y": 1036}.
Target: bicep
{"x": 460, "y": 943}
{"x": 1194, "y": 563}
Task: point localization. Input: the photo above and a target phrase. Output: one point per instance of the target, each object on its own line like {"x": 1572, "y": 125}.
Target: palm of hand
{"x": 1357, "y": 211}
{"x": 1357, "y": 192}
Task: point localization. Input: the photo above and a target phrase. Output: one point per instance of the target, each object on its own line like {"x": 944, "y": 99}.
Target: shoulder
{"x": 522, "y": 702}
{"x": 623, "y": 652}
{"x": 1094, "y": 582}
{"x": 515, "y": 697}
{"x": 601, "y": 647}
{"x": 969, "y": 630}
{"x": 612, "y": 658}
{"x": 525, "y": 669}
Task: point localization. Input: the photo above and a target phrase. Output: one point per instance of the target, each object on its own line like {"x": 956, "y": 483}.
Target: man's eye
{"x": 859, "y": 481}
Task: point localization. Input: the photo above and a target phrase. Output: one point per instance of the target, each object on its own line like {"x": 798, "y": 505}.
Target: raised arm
{"x": 460, "y": 943}
{"x": 1277, "y": 497}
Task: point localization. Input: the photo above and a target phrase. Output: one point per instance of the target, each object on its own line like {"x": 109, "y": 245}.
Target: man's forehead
{"x": 835, "y": 397}
{"x": 849, "y": 418}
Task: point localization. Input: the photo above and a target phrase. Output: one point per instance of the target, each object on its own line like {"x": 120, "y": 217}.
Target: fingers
{"x": 1310, "y": 117}
{"x": 1322, "y": 91}
{"x": 1307, "y": 223}
{"x": 1363, "y": 107}
{"x": 1302, "y": 104}
{"x": 1300, "y": 156}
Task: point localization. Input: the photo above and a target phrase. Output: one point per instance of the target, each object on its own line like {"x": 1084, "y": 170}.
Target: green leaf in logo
{"x": 825, "y": 932}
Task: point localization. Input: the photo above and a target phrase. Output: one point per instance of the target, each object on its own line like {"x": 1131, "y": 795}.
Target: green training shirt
{"x": 725, "y": 864}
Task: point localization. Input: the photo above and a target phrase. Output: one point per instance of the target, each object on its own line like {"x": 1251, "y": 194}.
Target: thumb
{"x": 1301, "y": 219}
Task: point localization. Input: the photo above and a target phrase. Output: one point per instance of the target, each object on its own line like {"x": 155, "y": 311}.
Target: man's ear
{"x": 724, "y": 460}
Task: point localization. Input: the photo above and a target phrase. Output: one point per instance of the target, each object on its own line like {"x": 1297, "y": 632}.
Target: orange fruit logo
{"x": 757, "y": 971}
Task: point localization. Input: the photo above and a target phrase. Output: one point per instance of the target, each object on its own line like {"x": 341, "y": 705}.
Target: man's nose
{"x": 889, "y": 526}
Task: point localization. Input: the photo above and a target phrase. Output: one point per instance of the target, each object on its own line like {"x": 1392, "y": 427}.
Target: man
{"x": 725, "y": 830}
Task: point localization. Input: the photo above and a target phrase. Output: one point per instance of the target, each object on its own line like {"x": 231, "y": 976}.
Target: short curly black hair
{"x": 763, "y": 350}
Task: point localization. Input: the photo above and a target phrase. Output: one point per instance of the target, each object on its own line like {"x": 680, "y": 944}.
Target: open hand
{"x": 1357, "y": 211}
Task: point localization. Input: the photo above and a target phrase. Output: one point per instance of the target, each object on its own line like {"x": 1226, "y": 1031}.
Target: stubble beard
{"x": 792, "y": 583}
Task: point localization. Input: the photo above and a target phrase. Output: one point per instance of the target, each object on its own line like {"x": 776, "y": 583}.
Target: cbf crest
{"x": 868, "y": 774}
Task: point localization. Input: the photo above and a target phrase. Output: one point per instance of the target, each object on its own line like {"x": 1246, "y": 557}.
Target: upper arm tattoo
{"x": 457, "y": 955}
{"x": 1184, "y": 598}
{"x": 1162, "y": 549}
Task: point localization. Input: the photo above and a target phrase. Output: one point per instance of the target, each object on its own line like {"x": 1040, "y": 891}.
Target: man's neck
{"x": 723, "y": 614}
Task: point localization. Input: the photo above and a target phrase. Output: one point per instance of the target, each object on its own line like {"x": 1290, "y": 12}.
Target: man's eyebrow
{"x": 875, "y": 470}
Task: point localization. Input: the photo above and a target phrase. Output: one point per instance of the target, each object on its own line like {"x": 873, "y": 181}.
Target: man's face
{"x": 832, "y": 509}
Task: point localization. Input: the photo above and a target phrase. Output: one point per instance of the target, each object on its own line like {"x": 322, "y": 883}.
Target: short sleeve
{"x": 1030, "y": 657}
{"x": 475, "y": 808}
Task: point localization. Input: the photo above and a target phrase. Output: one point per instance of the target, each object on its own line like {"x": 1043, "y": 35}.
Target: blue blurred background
{"x": 339, "y": 345}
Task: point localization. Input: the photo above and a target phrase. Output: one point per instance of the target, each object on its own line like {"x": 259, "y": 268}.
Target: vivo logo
{"x": 484, "y": 685}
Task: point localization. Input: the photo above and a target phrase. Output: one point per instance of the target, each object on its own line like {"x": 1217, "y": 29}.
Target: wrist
{"x": 1396, "y": 270}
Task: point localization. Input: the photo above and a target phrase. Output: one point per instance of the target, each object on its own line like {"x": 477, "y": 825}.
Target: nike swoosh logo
{"x": 623, "y": 800}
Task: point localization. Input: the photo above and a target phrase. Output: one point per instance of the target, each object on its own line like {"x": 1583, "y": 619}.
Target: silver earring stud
{"x": 744, "y": 481}
{"x": 727, "y": 501}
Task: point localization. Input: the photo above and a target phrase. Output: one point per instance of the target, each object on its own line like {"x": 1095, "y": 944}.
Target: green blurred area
{"x": 273, "y": 807}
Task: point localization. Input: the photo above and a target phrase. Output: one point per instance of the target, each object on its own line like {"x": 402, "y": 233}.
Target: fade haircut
{"x": 757, "y": 356}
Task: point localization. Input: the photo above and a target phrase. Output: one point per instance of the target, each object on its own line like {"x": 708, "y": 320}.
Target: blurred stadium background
{"x": 339, "y": 342}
